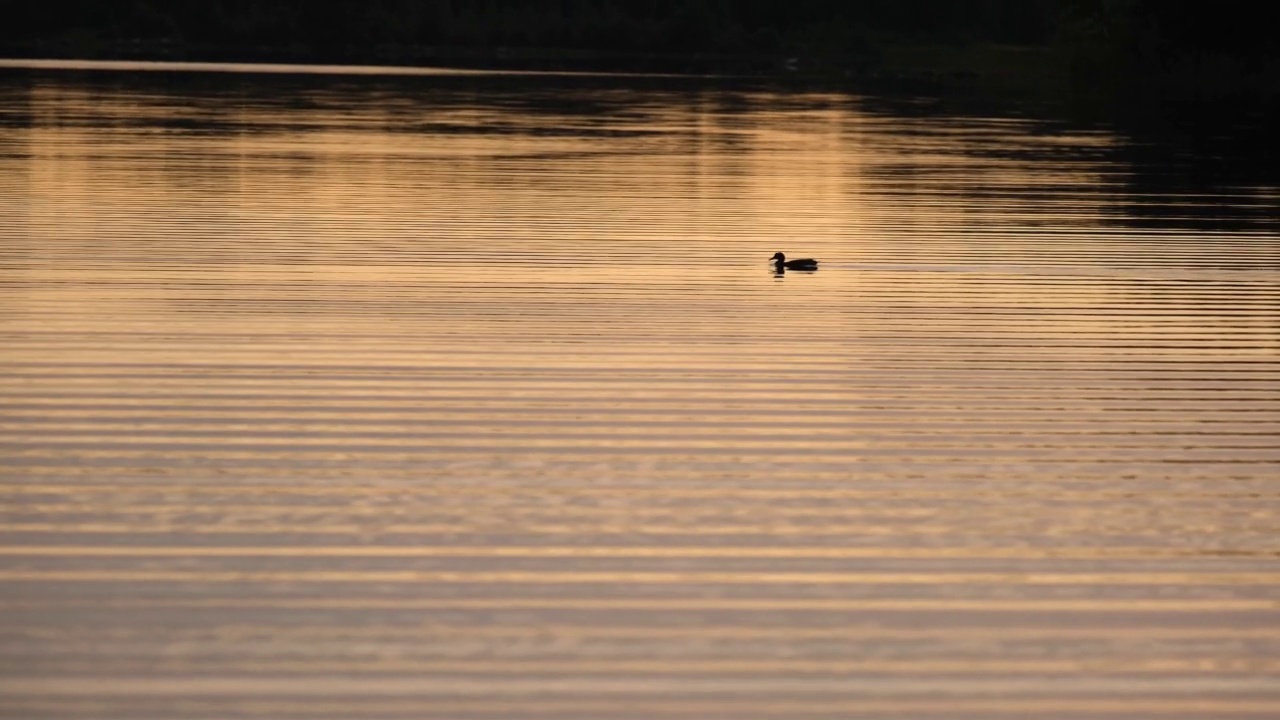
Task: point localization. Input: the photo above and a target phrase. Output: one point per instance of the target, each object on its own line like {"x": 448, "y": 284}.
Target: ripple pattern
{"x": 472, "y": 395}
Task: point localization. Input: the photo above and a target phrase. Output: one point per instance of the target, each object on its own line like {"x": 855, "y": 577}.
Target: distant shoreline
{"x": 1123, "y": 54}
{"x": 280, "y": 68}
{"x": 980, "y": 69}
{"x": 942, "y": 68}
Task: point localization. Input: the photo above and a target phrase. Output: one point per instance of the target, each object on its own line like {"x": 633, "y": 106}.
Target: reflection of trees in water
{"x": 1186, "y": 165}
{"x": 1210, "y": 166}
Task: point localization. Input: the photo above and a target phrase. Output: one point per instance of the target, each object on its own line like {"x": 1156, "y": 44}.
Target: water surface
{"x": 459, "y": 395}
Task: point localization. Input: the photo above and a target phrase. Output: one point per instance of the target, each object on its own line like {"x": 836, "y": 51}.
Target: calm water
{"x": 474, "y": 396}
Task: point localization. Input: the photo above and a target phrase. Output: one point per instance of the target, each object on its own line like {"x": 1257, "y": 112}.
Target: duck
{"x": 781, "y": 262}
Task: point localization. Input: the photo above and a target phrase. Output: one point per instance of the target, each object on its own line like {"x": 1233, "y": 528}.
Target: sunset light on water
{"x": 475, "y": 395}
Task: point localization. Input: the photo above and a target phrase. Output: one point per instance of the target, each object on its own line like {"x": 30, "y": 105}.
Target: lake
{"x": 424, "y": 393}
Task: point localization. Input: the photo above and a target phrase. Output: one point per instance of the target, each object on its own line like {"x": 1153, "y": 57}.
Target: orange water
{"x": 454, "y": 396}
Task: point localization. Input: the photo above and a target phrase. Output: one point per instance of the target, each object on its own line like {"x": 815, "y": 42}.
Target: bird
{"x": 781, "y": 262}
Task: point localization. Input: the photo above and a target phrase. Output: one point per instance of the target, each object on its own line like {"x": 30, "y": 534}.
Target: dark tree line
{"x": 1099, "y": 38}
{"x": 699, "y": 25}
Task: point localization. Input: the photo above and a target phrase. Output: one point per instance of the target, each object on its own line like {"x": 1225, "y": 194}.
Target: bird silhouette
{"x": 781, "y": 263}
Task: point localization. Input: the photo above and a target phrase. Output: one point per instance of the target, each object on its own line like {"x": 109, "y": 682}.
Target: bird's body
{"x": 781, "y": 262}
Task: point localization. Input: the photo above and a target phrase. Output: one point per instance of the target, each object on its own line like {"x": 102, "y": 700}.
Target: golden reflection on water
{"x": 441, "y": 394}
